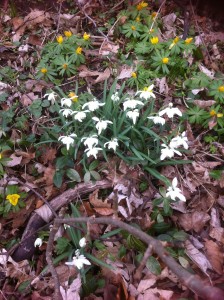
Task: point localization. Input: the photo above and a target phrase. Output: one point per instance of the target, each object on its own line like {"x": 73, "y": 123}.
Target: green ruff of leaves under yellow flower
{"x": 43, "y": 70}
{"x": 154, "y": 40}
{"x": 78, "y": 50}
{"x": 60, "y": 39}
{"x": 221, "y": 88}
{"x": 141, "y": 5}
{"x": 165, "y": 60}
{"x": 13, "y": 199}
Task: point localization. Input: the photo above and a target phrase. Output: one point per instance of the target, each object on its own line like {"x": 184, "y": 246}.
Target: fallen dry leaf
{"x": 15, "y": 160}
{"x": 215, "y": 256}
{"x": 195, "y": 220}
{"x": 19, "y": 28}
{"x": 28, "y": 99}
{"x": 125, "y": 72}
{"x": 204, "y": 103}
{"x": 197, "y": 257}
{"x": 36, "y": 17}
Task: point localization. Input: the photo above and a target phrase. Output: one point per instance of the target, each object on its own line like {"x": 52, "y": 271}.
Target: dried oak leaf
{"x": 214, "y": 255}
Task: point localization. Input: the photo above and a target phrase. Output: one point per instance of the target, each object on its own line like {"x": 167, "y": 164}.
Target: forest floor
{"x": 111, "y": 150}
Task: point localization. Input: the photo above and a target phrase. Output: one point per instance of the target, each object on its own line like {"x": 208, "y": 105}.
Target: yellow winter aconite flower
{"x": 68, "y": 33}
{"x": 78, "y": 50}
{"x": 13, "y": 198}
{"x": 138, "y": 19}
{"x": 188, "y": 41}
{"x": 154, "y": 14}
{"x": 141, "y": 5}
{"x": 154, "y": 40}
{"x": 134, "y": 75}
{"x": 133, "y": 28}
{"x": 176, "y": 40}
{"x": 0, "y": 156}
{"x": 219, "y": 115}
{"x": 73, "y": 96}
{"x": 165, "y": 60}
{"x": 86, "y": 36}
{"x": 212, "y": 113}
{"x": 64, "y": 66}
{"x": 60, "y": 39}
{"x": 43, "y": 70}
{"x": 221, "y": 88}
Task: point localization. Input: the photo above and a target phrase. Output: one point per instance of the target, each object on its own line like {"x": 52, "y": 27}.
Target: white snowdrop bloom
{"x": 82, "y": 242}
{"x": 38, "y": 242}
{"x": 101, "y": 124}
{"x": 112, "y": 144}
{"x": 131, "y": 103}
{"x": 170, "y": 111}
{"x": 147, "y": 92}
{"x": 80, "y": 115}
{"x": 133, "y": 114}
{"x": 174, "y": 192}
{"x": 66, "y": 112}
{"x": 168, "y": 152}
{"x": 66, "y": 101}
{"x": 66, "y": 226}
{"x": 115, "y": 97}
{"x": 92, "y": 151}
{"x": 67, "y": 140}
{"x": 51, "y": 97}
{"x": 157, "y": 120}
{"x": 180, "y": 140}
{"x": 91, "y": 141}
{"x": 79, "y": 260}
{"x": 93, "y": 105}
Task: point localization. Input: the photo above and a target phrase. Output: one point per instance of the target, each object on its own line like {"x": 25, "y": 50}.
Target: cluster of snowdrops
{"x": 116, "y": 124}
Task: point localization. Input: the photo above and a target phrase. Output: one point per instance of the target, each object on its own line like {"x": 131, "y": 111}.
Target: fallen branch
{"x": 44, "y": 215}
{"x": 191, "y": 281}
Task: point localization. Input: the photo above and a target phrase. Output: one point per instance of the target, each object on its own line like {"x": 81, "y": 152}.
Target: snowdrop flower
{"x": 67, "y": 140}
{"x": 66, "y": 226}
{"x": 115, "y": 97}
{"x": 82, "y": 242}
{"x": 168, "y": 152}
{"x": 131, "y": 103}
{"x": 101, "y": 124}
{"x": 147, "y": 92}
{"x": 112, "y": 144}
{"x": 38, "y": 242}
{"x": 92, "y": 151}
{"x": 93, "y": 105}
{"x": 66, "y": 101}
{"x": 174, "y": 192}
{"x": 91, "y": 141}
{"x": 66, "y": 112}
{"x": 51, "y": 97}
{"x": 78, "y": 260}
{"x": 157, "y": 120}
{"x": 80, "y": 115}
{"x": 180, "y": 140}
{"x": 170, "y": 111}
{"x": 133, "y": 114}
